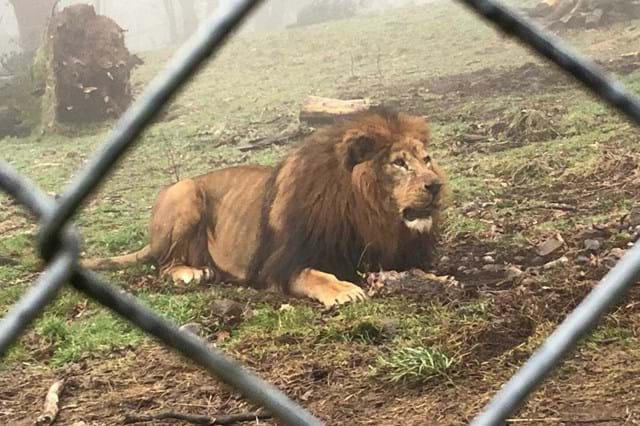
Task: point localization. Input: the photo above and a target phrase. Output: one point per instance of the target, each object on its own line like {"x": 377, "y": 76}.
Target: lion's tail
{"x": 142, "y": 255}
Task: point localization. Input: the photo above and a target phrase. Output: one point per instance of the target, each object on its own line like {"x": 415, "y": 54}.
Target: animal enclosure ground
{"x": 545, "y": 183}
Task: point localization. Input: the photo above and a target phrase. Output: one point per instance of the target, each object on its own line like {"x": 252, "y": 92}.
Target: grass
{"x": 411, "y": 364}
{"x": 238, "y": 97}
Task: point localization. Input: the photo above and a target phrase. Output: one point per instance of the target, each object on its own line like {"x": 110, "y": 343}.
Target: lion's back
{"x": 235, "y": 198}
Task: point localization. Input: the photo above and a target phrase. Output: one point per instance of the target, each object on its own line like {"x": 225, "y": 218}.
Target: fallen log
{"x": 316, "y": 110}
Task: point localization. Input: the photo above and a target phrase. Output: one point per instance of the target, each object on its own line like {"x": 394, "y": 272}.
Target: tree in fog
{"x": 32, "y": 17}
{"x": 171, "y": 16}
{"x": 189, "y": 17}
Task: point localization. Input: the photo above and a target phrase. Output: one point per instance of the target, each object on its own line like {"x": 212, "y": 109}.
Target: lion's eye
{"x": 400, "y": 163}
{"x": 427, "y": 159}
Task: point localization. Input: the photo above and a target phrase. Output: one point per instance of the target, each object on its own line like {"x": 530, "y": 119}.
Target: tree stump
{"x": 88, "y": 68}
{"x": 318, "y": 111}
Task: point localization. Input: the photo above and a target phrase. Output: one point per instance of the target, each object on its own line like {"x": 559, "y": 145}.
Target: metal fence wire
{"x": 59, "y": 242}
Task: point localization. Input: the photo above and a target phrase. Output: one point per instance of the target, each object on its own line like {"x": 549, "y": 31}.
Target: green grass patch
{"x": 457, "y": 225}
{"x": 95, "y": 336}
{"x": 411, "y": 364}
{"x": 269, "y": 322}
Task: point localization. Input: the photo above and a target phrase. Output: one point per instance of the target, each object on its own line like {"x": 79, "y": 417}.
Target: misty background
{"x": 149, "y": 25}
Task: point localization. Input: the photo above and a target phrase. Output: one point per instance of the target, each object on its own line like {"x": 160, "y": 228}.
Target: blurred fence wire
{"x": 59, "y": 241}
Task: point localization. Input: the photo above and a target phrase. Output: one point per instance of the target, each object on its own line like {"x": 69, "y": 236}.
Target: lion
{"x": 355, "y": 196}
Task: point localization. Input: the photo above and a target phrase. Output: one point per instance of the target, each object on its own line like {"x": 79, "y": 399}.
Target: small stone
{"x": 537, "y": 261}
{"x": 634, "y": 217}
{"x": 519, "y": 259}
{"x": 549, "y": 246}
{"x": 228, "y": 312}
{"x": 193, "y": 328}
{"x": 582, "y": 260}
{"x": 488, "y": 259}
{"x": 444, "y": 259}
{"x": 592, "y": 245}
{"x": 390, "y": 328}
{"x": 492, "y": 268}
{"x": 226, "y": 307}
{"x": 462, "y": 269}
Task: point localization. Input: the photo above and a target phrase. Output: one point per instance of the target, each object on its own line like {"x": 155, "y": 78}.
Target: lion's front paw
{"x": 340, "y": 292}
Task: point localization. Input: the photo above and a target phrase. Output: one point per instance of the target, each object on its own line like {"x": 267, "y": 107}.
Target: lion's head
{"x": 391, "y": 166}
{"x": 365, "y": 193}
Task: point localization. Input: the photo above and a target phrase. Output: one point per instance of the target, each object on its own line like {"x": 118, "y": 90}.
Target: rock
{"x": 390, "y": 328}
{"x": 617, "y": 252}
{"x": 193, "y": 328}
{"x": 582, "y": 260}
{"x": 634, "y": 217}
{"x": 519, "y": 259}
{"x": 592, "y": 245}
{"x": 444, "y": 259}
{"x": 537, "y": 261}
{"x": 228, "y": 311}
{"x": 226, "y": 307}
{"x": 549, "y": 246}
{"x": 488, "y": 259}
{"x": 493, "y": 268}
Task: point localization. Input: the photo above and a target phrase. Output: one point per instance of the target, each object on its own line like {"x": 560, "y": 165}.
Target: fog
{"x": 147, "y": 22}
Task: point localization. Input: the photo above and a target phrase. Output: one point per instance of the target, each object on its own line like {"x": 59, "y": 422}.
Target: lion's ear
{"x": 360, "y": 147}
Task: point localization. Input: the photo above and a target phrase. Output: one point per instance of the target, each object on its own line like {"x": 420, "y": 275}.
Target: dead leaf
{"x": 222, "y": 336}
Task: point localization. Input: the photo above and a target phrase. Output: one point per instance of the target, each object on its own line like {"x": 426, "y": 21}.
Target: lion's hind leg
{"x": 325, "y": 288}
{"x": 179, "y": 234}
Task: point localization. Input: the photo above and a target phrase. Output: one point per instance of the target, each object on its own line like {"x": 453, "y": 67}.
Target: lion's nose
{"x": 433, "y": 187}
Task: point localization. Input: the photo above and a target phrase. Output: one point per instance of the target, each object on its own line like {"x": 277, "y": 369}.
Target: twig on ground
{"x": 51, "y": 407}
{"x": 223, "y": 419}
{"x": 283, "y": 137}
{"x": 550, "y": 206}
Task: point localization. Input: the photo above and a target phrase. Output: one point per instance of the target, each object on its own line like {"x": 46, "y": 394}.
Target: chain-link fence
{"x": 59, "y": 242}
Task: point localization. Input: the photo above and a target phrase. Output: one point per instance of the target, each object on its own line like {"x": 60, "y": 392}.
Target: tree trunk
{"x": 189, "y": 18}
{"x": 32, "y": 17}
{"x": 212, "y": 6}
{"x": 171, "y": 16}
{"x": 88, "y": 68}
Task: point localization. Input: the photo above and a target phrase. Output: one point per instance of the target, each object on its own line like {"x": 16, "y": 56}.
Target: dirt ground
{"x": 527, "y": 291}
